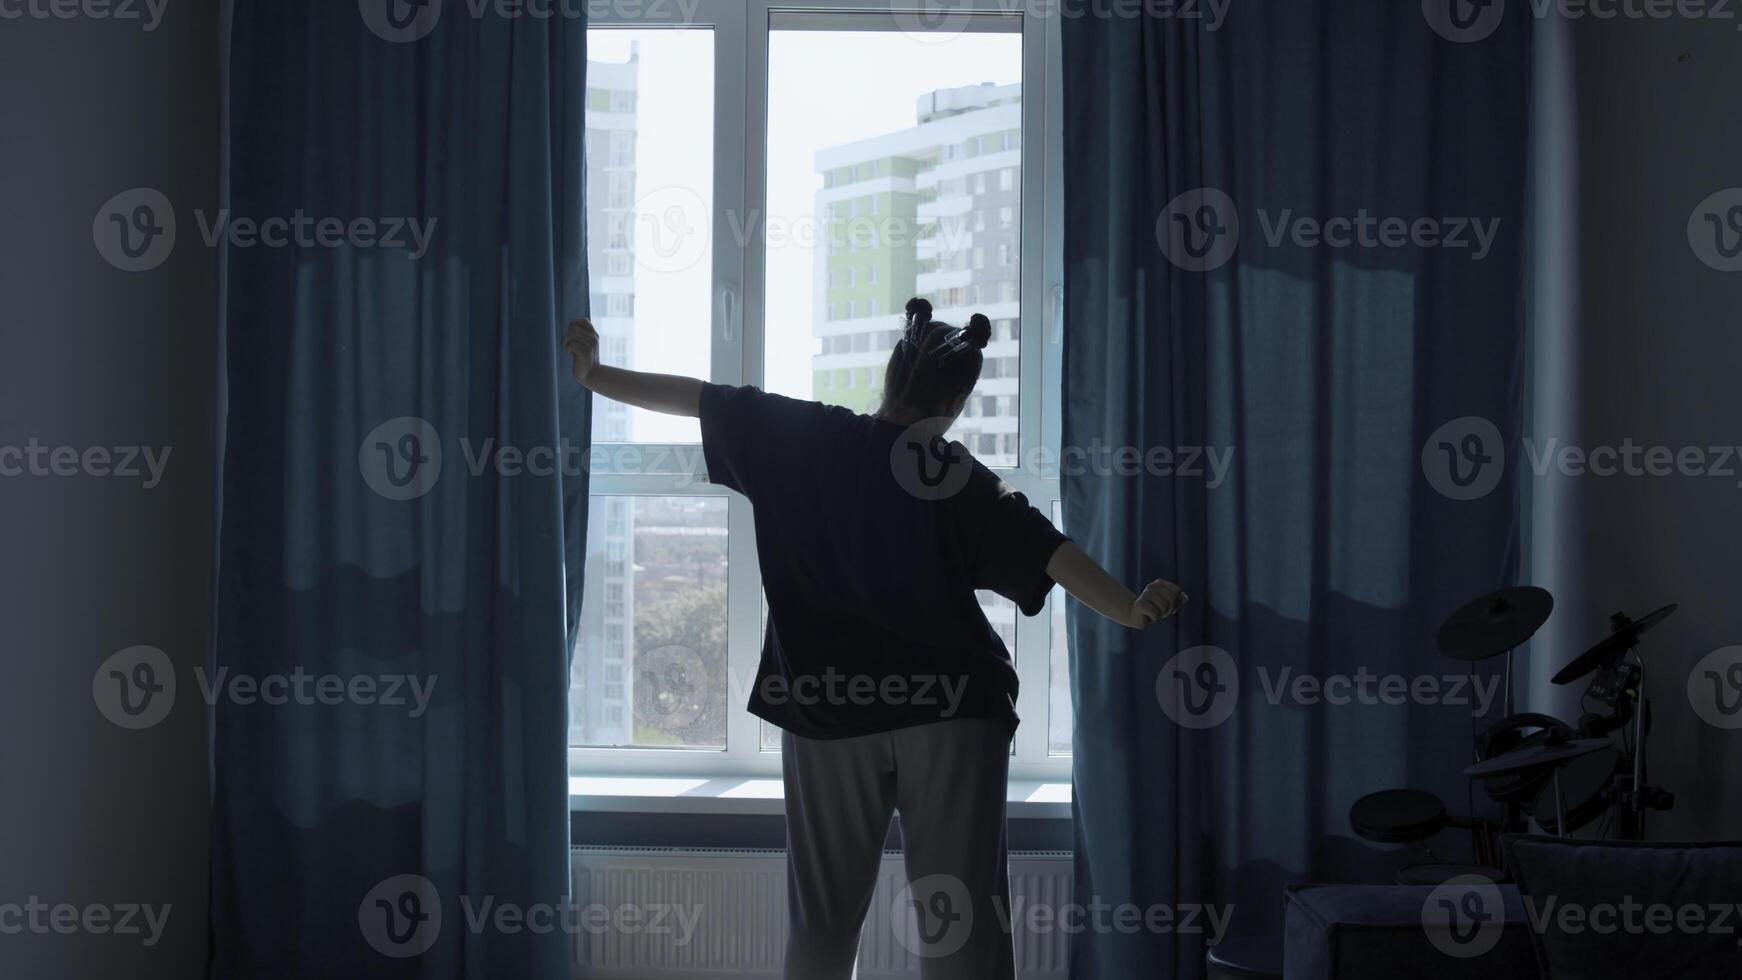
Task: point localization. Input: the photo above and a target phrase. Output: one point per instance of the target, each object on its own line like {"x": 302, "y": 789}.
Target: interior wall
{"x": 93, "y": 815}
{"x": 1636, "y": 338}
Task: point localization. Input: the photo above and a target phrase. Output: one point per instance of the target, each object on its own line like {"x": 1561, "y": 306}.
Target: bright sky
{"x": 825, "y": 89}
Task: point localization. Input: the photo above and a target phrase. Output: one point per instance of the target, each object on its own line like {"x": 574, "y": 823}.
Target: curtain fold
{"x": 403, "y": 506}
{"x": 1203, "y": 315}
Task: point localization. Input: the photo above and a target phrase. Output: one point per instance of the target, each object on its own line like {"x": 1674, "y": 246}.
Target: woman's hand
{"x": 1085, "y": 579}
{"x": 667, "y": 393}
{"x": 1159, "y": 600}
{"x": 582, "y": 341}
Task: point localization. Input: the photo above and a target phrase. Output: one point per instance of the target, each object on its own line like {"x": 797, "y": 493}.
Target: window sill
{"x": 759, "y": 796}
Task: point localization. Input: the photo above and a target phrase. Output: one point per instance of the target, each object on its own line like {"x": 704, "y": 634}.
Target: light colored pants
{"x": 948, "y": 782}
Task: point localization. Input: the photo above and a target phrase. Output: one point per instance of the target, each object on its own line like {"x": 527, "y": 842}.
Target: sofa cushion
{"x": 1359, "y": 932}
{"x": 1605, "y": 909}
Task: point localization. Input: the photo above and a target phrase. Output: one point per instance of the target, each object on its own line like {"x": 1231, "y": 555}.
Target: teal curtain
{"x": 1197, "y": 317}
{"x": 393, "y": 531}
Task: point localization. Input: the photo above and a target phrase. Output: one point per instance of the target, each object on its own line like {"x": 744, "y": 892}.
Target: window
{"x": 874, "y": 187}
{"x": 663, "y": 617}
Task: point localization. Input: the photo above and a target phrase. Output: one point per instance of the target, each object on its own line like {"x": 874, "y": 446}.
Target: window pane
{"x": 650, "y": 662}
{"x": 1001, "y": 613}
{"x": 1060, "y": 719}
{"x": 770, "y": 734}
{"x": 650, "y": 191}
{"x": 876, "y": 193}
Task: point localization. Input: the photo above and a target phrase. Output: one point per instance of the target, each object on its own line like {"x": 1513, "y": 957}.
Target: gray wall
{"x": 92, "y": 814}
{"x": 1637, "y": 338}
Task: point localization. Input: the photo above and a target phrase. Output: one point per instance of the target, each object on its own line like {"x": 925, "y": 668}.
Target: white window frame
{"x": 741, "y": 40}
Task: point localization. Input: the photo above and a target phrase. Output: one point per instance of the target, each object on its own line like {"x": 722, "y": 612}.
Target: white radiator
{"x": 676, "y": 913}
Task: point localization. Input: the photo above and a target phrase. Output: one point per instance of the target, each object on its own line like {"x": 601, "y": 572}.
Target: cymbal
{"x": 1610, "y": 649}
{"x": 1495, "y": 623}
{"x": 1552, "y": 752}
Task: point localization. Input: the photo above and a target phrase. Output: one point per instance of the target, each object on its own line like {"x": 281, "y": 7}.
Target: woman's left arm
{"x": 667, "y": 393}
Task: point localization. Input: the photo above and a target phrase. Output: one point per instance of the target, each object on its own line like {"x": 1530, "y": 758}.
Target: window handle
{"x": 729, "y": 313}
{"x": 1055, "y": 328}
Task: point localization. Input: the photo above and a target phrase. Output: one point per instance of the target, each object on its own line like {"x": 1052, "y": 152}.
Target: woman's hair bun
{"x": 978, "y": 331}
{"x": 918, "y": 311}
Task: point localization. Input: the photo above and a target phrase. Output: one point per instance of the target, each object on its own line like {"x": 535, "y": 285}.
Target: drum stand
{"x": 1630, "y": 795}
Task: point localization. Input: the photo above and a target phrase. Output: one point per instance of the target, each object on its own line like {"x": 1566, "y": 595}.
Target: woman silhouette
{"x": 894, "y": 693}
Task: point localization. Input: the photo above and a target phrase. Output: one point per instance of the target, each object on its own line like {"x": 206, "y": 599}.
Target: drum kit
{"x": 1563, "y": 776}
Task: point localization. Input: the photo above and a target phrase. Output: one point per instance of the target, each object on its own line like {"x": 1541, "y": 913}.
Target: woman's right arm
{"x": 667, "y": 393}
{"x": 1094, "y": 587}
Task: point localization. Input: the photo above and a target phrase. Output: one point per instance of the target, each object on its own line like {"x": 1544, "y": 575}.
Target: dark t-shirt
{"x": 871, "y": 547}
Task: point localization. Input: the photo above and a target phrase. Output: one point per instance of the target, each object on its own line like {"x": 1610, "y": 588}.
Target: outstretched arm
{"x": 1082, "y": 577}
{"x": 667, "y": 393}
